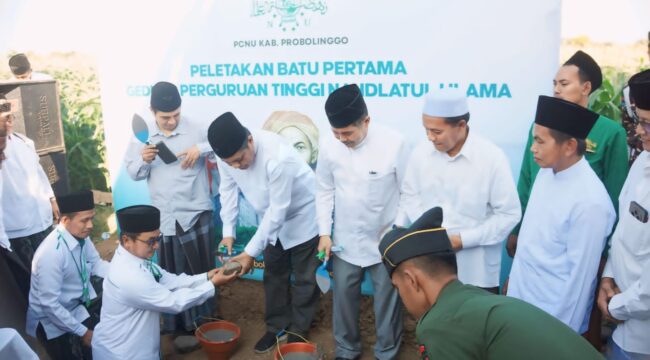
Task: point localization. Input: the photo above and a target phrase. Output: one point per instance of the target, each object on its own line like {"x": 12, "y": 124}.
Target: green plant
{"x": 83, "y": 129}
{"x": 607, "y": 99}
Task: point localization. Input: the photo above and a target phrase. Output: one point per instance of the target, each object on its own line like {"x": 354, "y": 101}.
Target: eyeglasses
{"x": 151, "y": 241}
{"x": 644, "y": 124}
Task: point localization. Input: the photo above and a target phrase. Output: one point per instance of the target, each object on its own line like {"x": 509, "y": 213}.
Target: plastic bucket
{"x": 297, "y": 351}
{"x": 218, "y": 339}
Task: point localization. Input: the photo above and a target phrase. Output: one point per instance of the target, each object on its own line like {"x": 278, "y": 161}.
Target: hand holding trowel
{"x": 322, "y": 275}
{"x": 141, "y": 132}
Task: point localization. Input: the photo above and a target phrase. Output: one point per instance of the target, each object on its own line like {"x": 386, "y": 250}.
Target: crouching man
{"x": 137, "y": 291}
{"x": 60, "y": 294}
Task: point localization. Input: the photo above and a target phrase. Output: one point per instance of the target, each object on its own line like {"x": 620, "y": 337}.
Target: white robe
{"x": 132, "y": 302}
{"x": 629, "y": 263}
{"x": 562, "y": 236}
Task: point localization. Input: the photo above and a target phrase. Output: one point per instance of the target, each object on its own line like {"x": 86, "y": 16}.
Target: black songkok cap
{"x": 75, "y": 202}
{"x": 426, "y": 236}
{"x": 345, "y": 106}
{"x": 19, "y": 64}
{"x": 589, "y": 66}
{"x": 227, "y": 135}
{"x": 165, "y": 97}
{"x": 565, "y": 116}
{"x": 138, "y": 219}
{"x": 640, "y": 89}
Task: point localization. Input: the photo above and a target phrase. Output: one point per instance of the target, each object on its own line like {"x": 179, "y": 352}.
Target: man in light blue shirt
{"x": 180, "y": 191}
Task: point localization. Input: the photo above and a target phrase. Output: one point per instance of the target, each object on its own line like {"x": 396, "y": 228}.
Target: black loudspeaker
{"x": 38, "y": 113}
{"x": 55, "y": 166}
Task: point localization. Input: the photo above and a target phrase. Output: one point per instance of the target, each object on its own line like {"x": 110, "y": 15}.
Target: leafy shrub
{"x": 81, "y": 114}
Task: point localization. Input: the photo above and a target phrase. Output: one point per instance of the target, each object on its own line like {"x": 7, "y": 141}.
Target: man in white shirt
{"x": 61, "y": 292}
{"x": 22, "y": 69}
{"x": 17, "y": 267}
{"x": 28, "y": 193}
{"x": 25, "y": 190}
{"x": 136, "y": 290}
{"x": 358, "y": 177}
{"x": 180, "y": 191}
{"x": 469, "y": 178}
{"x": 624, "y": 295}
{"x": 567, "y": 220}
{"x": 280, "y": 186}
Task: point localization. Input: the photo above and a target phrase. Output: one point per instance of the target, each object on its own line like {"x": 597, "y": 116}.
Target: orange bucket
{"x": 297, "y": 351}
{"x": 218, "y": 339}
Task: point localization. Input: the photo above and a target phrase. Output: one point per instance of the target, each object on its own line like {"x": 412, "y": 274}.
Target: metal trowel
{"x": 140, "y": 129}
{"x": 322, "y": 275}
{"x": 141, "y": 132}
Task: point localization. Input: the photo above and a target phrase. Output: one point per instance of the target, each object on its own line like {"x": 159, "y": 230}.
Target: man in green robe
{"x": 457, "y": 321}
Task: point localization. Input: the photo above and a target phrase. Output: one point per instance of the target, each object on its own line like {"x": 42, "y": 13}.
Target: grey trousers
{"x": 387, "y": 307}
{"x": 290, "y": 305}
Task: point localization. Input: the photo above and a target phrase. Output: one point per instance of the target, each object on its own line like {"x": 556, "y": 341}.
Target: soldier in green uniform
{"x": 607, "y": 151}
{"x": 458, "y": 321}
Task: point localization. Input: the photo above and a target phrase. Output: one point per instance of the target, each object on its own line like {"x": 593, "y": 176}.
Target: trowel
{"x": 140, "y": 129}
{"x": 141, "y": 132}
{"x": 322, "y": 275}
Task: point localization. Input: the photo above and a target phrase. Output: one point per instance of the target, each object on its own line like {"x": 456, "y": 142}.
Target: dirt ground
{"x": 242, "y": 302}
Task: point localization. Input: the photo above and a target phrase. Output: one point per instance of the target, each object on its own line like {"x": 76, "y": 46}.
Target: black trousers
{"x": 21, "y": 273}
{"x": 493, "y": 290}
{"x": 26, "y": 246}
{"x": 66, "y": 346}
{"x": 290, "y": 305}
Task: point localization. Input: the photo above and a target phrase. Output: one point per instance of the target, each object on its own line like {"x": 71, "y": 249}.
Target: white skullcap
{"x": 445, "y": 103}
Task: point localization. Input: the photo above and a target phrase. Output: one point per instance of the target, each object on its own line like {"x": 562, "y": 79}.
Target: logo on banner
{"x": 288, "y": 15}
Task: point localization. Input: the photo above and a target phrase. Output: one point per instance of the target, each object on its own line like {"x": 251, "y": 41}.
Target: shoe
{"x": 268, "y": 342}
{"x": 295, "y": 339}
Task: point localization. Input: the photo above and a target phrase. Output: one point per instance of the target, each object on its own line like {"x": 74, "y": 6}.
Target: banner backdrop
{"x": 258, "y": 57}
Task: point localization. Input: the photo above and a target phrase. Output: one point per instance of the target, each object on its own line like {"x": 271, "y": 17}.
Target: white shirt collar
{"x": 70, "y": 240}
{"x": 568, "y": 172}
{"x": 467, "y": 150}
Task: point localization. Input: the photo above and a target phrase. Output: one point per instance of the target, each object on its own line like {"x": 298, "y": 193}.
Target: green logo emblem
{"x": 288, "y": 14}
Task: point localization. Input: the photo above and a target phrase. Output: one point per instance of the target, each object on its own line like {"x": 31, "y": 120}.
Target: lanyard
{"x": 81, "y": 268}
{"x": 154, "y": 270}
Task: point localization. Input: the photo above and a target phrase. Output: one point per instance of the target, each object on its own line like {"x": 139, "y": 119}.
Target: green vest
{"x": 470, "y": 323}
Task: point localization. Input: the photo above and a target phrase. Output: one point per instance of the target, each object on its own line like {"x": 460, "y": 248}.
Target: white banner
{"x": 260, "y": 56}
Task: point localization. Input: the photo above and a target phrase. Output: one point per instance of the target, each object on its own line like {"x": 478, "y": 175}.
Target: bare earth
{"x": 242, "y": 303}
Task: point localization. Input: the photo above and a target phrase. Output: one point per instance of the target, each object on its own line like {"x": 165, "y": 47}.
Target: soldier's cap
{"x": 425, "y": 236}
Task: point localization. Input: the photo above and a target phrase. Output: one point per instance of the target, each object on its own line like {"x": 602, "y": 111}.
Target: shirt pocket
{"x": 636, "y": 236}
{"x": 380, "y": 186}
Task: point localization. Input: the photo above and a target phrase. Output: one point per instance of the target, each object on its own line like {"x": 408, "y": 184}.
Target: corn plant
{"x": 83, "y": 129}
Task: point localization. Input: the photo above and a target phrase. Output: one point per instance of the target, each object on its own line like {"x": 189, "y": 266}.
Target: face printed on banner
{"x": 446, "y": 137}
{"x": 243, "y": 158}
{"x": 567, "y": 86}
{"x": 643, "y": 127}
{"x": 168, "y": 121}
{"x": 144, "y": 245}
{"x": 352, "y": 135}
{"x": 80, "y": 225}
{"x": 299, "y": 141}
{"x": 546, "y": 151}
